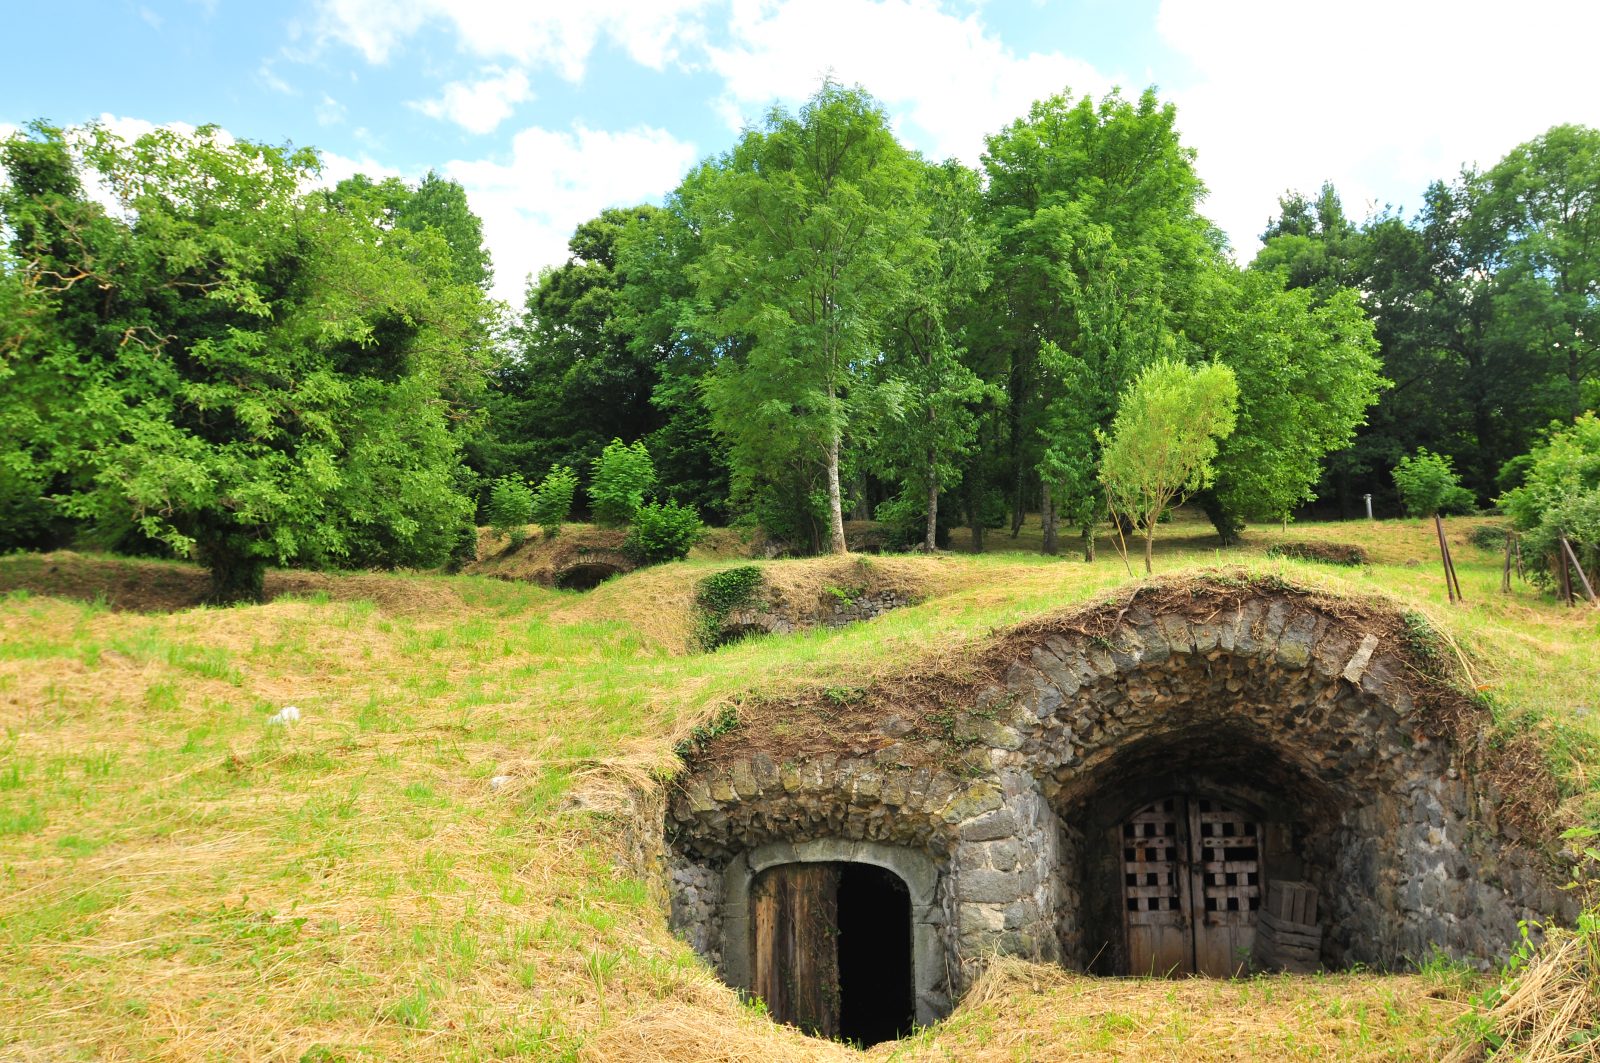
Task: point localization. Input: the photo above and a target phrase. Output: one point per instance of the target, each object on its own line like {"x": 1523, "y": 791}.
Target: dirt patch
{"x": 145, "y": 586}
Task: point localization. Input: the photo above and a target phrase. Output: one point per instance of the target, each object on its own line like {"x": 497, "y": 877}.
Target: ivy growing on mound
{"x": 718, "y": 596}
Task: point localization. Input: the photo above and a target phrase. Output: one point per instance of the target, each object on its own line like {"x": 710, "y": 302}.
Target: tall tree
{"x": 812, "y": 232}
{"x": 1076, "y": 187}
{"x": 932, "y": 396}
{"x": 1544, "y": 196}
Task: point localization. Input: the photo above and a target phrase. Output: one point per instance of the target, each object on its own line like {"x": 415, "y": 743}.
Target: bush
{"x": 1488, "y": 537}
{"x": 1560, "y": 496}
{"x": 620, "y": 479}
{"x": 905, "y": 521}
{"x": 552, "y": 499}
{"x": 662, "y": 532}
{"x": 510, "y": 508}
{"x": 1428, "y": 484}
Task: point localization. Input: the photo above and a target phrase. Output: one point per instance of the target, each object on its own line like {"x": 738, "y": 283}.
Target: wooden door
{"x": 1191, "y": 873}
{"x": 794, "y": 913}
{"x": 1156, "y": 890}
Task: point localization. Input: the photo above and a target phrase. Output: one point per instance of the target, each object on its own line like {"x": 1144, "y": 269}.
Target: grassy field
{"x": 428, "y": 864}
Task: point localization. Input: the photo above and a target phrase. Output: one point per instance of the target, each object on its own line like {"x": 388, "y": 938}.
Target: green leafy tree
{"x": 1164, "y": 439}
{"x": 1543, "y": 199}
{"x": 1428, "y": 484}
{"x": 1307, "y": 375}
{"x": 1560, "y": 495}
{"x": 620, "y": 479}
{"x": 240, "y": 371}
{"x": 928, "y": 397}
{"x": 552, "y": 499}
{"x": 812, "y": 230}
{"x": 1101, "y": 252}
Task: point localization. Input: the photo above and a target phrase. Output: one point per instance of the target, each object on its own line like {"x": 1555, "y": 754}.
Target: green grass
{"x": 178, "y": 879}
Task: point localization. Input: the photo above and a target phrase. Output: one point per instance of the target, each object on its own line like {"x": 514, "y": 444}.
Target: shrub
{"x": 1488, "y": 537}
{"x": 1560, "y": 496}
{"x": 510, "y": 508}
{"x": 620, "y": 479}
{"x": 552, "y": 499}
{"x": 662, "y": 531}
{"x": 1428, "y": 484}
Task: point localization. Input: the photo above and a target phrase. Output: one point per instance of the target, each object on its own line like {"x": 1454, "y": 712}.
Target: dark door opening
{"x": 832, "y": 950}
{"x": 876, "y": 998}
{"x": 585, "y": 577}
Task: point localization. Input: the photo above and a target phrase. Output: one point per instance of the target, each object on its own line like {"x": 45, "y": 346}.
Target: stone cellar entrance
{"x": 1192, "y": 884}
{"x": 831, "y": 949}
{"x": 1228, "y": 779}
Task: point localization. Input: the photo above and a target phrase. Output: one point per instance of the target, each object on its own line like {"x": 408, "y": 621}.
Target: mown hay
{"x": 1326, "y": 553}
{"x": 1547, "y": 1010}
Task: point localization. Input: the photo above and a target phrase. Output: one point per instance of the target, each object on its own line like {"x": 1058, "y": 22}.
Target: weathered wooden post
{"x": 1572, "y": 558}
{"x": 1452, "y": 585}
{"x": 1368, "y": 500}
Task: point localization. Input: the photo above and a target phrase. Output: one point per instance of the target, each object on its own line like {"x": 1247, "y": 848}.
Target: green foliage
{"x": 619, "y": 480}
{"x": 1164, "y": 439}
{"x": 509, "y": 508}
{"x": 1560, "y": 496}
{"x": 663, "y": 531}
{"x": 812, "y": 233}
{"x": 1428, "y": 484}
{"x": 720, "y": 594}
{"x": 240, "y": 369}
{"x": 1488, "y": 537}
{"x": 552, "y": 499}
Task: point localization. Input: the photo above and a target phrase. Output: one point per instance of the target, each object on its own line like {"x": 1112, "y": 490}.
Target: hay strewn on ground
{"x": 444, "y": 858}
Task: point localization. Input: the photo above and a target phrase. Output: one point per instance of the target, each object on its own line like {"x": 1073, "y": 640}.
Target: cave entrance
{"x": 1192, "y": 885}
{"x": 832, "y": 949}
{"x": 586, "y": 577}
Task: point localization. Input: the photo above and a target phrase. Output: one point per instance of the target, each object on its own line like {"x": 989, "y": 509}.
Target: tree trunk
{"x": 835, "y": 505}
{"x": 237, "y": 578}
{"x": 1088, "y": 543}
{"x": 1149, "y": 546}
{"x": 1047, "y": 517}
{"x": 929, "y": 539}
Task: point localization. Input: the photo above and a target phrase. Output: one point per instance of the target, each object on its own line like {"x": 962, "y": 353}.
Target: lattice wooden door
{"x": 1191, "y": 874}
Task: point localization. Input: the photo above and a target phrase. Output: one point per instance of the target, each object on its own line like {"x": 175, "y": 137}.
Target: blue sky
{"x": 549, "y": 111}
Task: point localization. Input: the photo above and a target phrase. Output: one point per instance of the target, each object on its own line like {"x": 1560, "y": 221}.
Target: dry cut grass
{"x": 449, "y": 855}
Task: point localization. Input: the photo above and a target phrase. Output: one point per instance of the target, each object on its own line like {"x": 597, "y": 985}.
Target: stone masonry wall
{"x": 1270, "y": 694}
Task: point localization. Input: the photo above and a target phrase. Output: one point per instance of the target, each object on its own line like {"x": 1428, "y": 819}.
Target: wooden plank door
{"x": 1156, "y": 889}
{"x": 1225, "y": 873}
{"x": 1192, "y": 885}
{"x": 794, "y": 916}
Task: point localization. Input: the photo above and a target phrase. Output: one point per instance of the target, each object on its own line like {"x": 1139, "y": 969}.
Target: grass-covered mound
{"x": 448, "y": 855}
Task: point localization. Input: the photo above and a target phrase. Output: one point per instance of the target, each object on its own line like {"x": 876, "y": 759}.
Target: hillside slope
{"x": 448, "y": 854}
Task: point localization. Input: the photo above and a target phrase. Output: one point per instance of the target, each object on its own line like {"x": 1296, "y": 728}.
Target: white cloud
{"x": 480, "y": 106}
{"x": 150, "y": 18}
{"x": 330, "y": 111}
{"x": 554, "y": 180}
{"x": 949, "y": 77}
{"x": 273, "y": 81}
{"x": 336, "y": 168}
{"x": 544, "y": 34}
{"x": 1379, "y": 97}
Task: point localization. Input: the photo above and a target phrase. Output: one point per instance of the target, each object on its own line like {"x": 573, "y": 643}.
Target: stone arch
{"x": 587, "y": 571}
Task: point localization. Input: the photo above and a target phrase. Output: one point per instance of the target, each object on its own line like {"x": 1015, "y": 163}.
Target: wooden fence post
{"x": 1451, "y": 584}
{"x": 1588, "y": 591}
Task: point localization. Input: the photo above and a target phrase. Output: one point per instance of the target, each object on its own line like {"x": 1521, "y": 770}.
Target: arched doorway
{"x": 1191, "y": 886}
{"x": 831, "y": 949}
